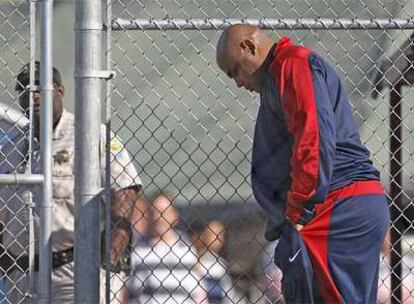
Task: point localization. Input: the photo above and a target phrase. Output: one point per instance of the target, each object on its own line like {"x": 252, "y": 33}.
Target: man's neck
{"x": 55, "y": 124}
{"x": 169, "y": 237}
{"x": 57, "y": 120}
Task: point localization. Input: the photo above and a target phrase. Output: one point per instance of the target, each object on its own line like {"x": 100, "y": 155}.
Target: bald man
{"x": 310, "y": 170}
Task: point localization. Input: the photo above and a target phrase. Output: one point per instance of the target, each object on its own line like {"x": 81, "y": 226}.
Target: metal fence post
{"x": 88, "y": 32}
{"x": 108, "y": 113}
{"x": 32, "y": 29}
{"x": 396, "y": 146}
{"x": 46, "y": 130}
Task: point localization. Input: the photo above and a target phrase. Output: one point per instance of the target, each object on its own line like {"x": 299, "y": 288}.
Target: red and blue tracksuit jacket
{"x": 307, "y": 156}
{"x": 306, "y": 142}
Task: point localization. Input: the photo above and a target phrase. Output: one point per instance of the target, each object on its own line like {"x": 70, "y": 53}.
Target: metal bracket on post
{"x": 34, "y": 88}
{"x": 96, "y": 74}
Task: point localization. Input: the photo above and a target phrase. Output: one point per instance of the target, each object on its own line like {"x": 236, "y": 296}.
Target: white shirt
{"x": 164, "y": 273}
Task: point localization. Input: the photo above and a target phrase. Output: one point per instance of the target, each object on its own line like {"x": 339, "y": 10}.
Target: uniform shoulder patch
{"x": 115, "y": 145}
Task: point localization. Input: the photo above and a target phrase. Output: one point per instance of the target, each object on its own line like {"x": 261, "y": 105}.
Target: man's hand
{"x": 123, "y": 202}
{"x": 298, "y": 227}
{"x": 306, "y": 216}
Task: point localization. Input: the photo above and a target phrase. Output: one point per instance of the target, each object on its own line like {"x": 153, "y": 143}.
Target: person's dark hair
{"x": 23, "y": 78}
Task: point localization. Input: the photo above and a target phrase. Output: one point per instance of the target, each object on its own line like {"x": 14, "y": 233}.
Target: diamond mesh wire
{"x": 15, "y": 202}
{"x": 190, "y": 129}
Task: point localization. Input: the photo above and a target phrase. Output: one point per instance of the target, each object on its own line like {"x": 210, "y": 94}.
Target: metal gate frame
{"x": 42, "y": 295}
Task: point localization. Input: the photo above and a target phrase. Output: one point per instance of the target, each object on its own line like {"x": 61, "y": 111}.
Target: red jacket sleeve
{"x": 294, "y": 79}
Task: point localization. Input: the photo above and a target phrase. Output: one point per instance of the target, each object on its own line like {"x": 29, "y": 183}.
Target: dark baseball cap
{"x": 23, "y": 78}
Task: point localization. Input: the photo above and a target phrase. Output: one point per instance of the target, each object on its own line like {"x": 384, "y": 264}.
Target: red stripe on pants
{"x": 315, "y": 235}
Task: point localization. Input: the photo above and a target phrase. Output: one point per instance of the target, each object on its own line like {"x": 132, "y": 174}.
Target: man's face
{"x": 141, "y": 217}
{"x": 24, "y": 100}
{"x": 243, "y": 66}
{"x": 213, "y": 236}
{"x": 164, "y": 215}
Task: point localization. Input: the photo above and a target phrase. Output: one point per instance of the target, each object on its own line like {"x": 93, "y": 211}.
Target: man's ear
{"x": 249, "y": 46}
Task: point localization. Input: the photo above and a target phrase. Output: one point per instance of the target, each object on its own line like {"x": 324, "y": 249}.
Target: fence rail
{"x": 119, "y": 24}
{"x": 21, "y": 179}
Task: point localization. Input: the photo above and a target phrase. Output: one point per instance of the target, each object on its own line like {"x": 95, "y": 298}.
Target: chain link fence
{"x": 16, "y": 198}
{"x": 190, "y": 129}
{"x": 189, "y": 132}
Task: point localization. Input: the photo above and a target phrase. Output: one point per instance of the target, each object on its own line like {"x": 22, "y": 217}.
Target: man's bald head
{"x": 241, "y": 51}
{"x": 234, "y": 35}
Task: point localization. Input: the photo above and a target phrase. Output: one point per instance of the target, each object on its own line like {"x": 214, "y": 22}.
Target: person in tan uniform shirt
{"x": 14, "y": 213}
